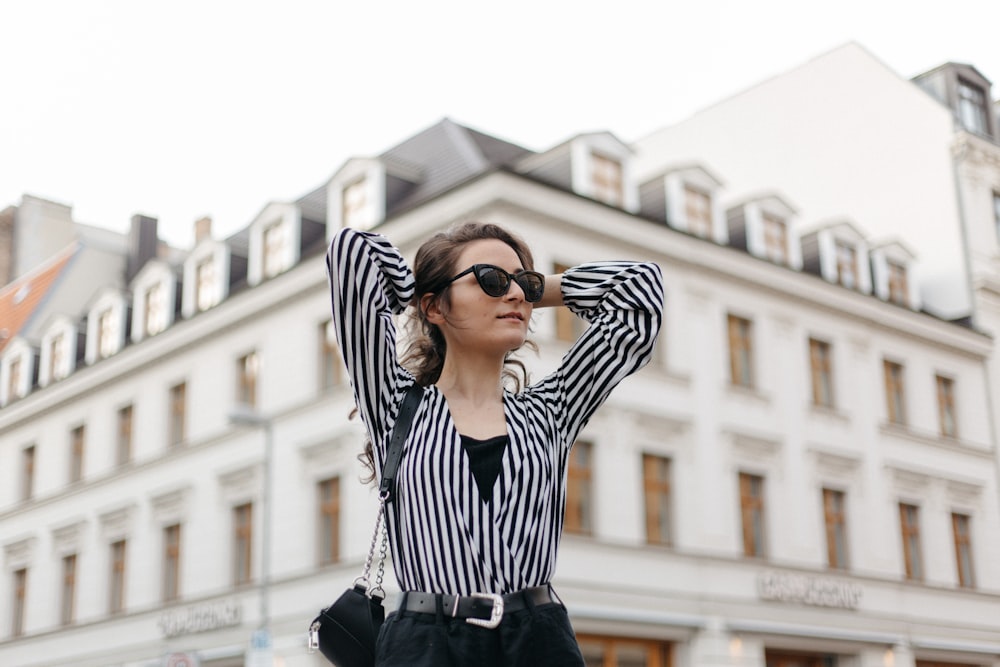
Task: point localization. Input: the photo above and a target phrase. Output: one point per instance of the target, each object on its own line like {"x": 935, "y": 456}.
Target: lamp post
{"x": 246, "y": 415}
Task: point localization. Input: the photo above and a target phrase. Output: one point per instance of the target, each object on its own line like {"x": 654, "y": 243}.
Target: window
{"x": 898, "y": 290}
{"x": 894, "y": 396}
{"x": 909, "y": 521}
{"x": 124, "y": 445}
{"x": 783, "y": 659}
{"x": 752, "y": 512}
{"x": 656, "y": 489}
{"x": 775, "y": 239}
{"x": 329, "y": 521}
{"x": 822, "y": 380}
{"x": 606, "y": 179}
{"x": 996, "y": 212}
{"x": 698, "y": 210}
{"x": 847, "y": 265}
{"x": 116, "y": 594}
{"x": 963, "y": 549}
{"x": 578, "y": 490}
{"x": 177, "y": 430}
{"x": 354, "y": 199}
{"x": 274, "y": 249}
{"x": 205, "y": 290}
{"x": 19, "y": 602}
{"x": 171, "y": 562}
{"x": 67, "y": 613}
{"x": 836, "y": 531}
{"x": 972, "y": 108}
{"x": 946, "y": 406}
{"x": 600, "y": 651}
{"x": 330, "y": 365}
{"x": 27, "y": 472}
{"x": 57, "y": 357}
{"x": 740, "y": 349}
{"x": 568, "y": 326}
{"x": 242, "y": 543}
{"x": 14, "y": 380}
{"x": 77, "y": 446}
{"x": 247, "y": 368}
{"x": 105, "y": 334}
{"x": 156, "y": 310}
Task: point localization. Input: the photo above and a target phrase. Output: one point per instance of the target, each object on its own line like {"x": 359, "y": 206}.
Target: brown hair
{"x": 433, "y": 266}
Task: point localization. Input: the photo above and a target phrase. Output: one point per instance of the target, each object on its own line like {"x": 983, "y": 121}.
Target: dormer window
{"x": 972, "y": 107}
{"x": 106, "y": 330}
{"x": 205, "y": 289}
{"x": 14, "y": 379}
{"x": 354, "y": 200}
{"x": 606, "y": 179}
{"x": 57, "y": 357}
{"x": 698, "y": 208}
{"x": 847, "y": 265}
{"x": 156, "y": 310}
{"x": 275, "y": 241}
{"x": 898, "y": 288}
{"x": 775, "y": 239}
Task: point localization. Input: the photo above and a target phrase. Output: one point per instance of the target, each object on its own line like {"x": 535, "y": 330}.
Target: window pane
{"x": 836, "y": 533}
{"x": 656, "y": 479}
{"x": 740, "y": 349}
{"x": 117, "y": 592}
{"x": 963, "y": 549}
{"x": 124, "y": 448}
{"x": 77, "y": 445}
{"x": 946, "y": 406}
{"x": 606, "y": 175}
{"x": 67, "y": 611}
{"x": 822, "y": 382}
{"x": 329, "y": 520}
{"x": 178, "y": 415}
{"x": 910, "y": 527}
{"x": 578, "y": 490}
{"x": 698, "y": 209}
{"x": 247, "y": 368}
{"x": 171, "y": 561}
{"x": 894, "y": 396}
{"x": 242, "y": 543}
{"x": 775, "y": 239}
{"x": 847, "y": 265}
{"x": 752, "y": 511}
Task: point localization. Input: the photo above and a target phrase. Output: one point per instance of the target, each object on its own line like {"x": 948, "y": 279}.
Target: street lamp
{"x": 246, "y": 415}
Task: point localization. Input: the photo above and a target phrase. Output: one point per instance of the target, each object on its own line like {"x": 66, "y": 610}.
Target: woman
{"x": 478, "y": 508}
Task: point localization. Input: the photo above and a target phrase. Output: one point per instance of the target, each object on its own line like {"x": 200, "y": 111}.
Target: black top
{"x": 485, "y": 457}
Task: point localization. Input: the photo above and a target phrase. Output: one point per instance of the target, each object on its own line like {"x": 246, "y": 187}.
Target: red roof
{"x": 19, "y": 299}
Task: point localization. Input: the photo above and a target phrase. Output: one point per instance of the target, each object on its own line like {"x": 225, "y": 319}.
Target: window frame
{"x": 774, "y": 232}
{"x": 835, "y": 524}
{"x": 909, "y": 524}
{"x": 178, "y": 417}
{"x": 29, "y": 462}
{"x": 895, "y": 391}
{"x": 607, "y": 178}
{"x": 247, "y": 377}
{"x": 659, "y": 653}
{"x": 698, "y": 211}
{"x": 125, "y": 434}
{"x": 947, "y": 415}
{"x": 242, "y": 564}
{"x": 752, "y": 514}
{"x": 973, "y": 107}
{"x": 171, "y": 580}
{"x": 67, "y": 603}
{"x": 78, "y": 448}
{"x": 821, "y": 373}
{"x": 117, "y": 576}
{"x": 961, "y": 529}
{"x": 329, "y": 520}
{"x": 19, "y": 601}
{"x": 740, "y": 334}
{"x": 579, "y": 513}
{"x": 657, "y": 472}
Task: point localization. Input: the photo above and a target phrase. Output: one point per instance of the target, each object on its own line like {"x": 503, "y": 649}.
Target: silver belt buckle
{"x": 496, "y": 615}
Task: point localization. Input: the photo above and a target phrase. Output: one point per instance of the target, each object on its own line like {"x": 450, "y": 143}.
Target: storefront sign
{"x": 803, "y": 589}
{"x": 201, "y": 618}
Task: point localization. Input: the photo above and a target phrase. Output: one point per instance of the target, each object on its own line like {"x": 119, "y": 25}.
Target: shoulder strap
{"x": 395, "y": 450}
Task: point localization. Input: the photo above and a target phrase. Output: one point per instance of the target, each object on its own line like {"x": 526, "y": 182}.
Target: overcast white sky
{"x": 187, "y": 108}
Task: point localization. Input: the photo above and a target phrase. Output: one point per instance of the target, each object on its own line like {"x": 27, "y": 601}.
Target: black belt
{"x": 482, "y": 609}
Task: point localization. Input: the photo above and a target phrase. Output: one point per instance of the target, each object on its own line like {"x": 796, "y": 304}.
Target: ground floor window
{"x": 782, "y": 659}
{"x": 600, "y": 651}
{"x": 936, "y": 663}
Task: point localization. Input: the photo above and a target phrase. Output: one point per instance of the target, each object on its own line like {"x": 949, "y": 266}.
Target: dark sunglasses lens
{"x": 531, "y": 284}
{"x": 493, "y": 281}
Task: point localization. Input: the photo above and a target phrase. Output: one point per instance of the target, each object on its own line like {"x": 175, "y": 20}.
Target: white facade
{"x": 700, "y": 598}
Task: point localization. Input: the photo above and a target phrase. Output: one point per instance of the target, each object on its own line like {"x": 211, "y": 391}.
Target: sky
{"x": 187, "y": 108}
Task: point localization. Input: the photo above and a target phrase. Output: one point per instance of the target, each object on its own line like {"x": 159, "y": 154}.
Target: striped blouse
{"x": 444, "y": 537}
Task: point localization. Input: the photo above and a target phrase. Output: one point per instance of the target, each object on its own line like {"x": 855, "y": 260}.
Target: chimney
{"x": 202, "y": 229}
{"x": 142, "y": 244}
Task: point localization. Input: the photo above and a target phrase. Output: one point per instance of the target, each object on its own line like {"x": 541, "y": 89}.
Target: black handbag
{"x": 345, "y": 632}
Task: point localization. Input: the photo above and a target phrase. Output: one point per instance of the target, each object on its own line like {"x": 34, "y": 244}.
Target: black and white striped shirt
{"x": 444, "y": 537}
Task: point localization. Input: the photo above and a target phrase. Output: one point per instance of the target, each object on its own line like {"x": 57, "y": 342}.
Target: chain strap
{"x": 365, "y": 577}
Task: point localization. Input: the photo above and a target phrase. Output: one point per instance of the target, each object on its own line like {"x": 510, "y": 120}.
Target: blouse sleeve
{"x": 369, "y": 284}
{"x": 623, "y": 303}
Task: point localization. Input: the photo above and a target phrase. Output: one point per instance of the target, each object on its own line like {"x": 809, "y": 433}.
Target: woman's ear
{"x": 430, "y": 304}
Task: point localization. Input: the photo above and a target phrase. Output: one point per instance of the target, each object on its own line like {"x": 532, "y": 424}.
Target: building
{"x": 806, "y": 474}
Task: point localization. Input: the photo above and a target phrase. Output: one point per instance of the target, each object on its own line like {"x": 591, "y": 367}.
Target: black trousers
{"x": 535, "y": 636}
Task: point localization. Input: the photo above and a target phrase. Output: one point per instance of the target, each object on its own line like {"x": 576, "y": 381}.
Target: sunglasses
{"x": 496, "y": 282}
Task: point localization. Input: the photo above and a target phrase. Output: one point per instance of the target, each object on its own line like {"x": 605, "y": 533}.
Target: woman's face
{"x": 476, "y": 320}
